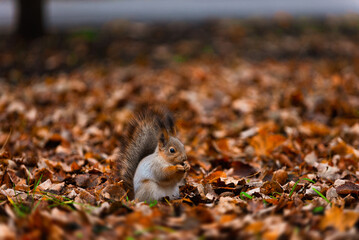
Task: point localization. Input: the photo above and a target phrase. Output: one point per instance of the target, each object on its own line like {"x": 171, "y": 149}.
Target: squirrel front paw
{"x": 183, "y": 167}
{"x": 180, "y": 168}
{"x": 186, "y": 166}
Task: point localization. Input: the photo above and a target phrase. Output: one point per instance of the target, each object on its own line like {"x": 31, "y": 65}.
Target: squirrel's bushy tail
{"x": 141, "y": 139}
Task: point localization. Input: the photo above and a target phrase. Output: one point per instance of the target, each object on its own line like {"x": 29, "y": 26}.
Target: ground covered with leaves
{"x": 268, "y": 112}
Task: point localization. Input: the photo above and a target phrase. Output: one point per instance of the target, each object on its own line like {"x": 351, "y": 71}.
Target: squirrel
{"x": 152, "y": 161}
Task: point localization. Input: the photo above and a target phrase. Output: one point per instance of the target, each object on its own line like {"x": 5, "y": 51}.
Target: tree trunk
{"x": 30, "y": 18}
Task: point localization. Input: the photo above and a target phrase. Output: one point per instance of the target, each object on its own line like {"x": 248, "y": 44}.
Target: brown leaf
{"x": 44, "y": 173}
{"x": 348, "y": 188}
{"x": 59, "y": 175}
{"x": 13, "y": 177}
{"x": 269, "y": 188}
{"x": 56, "y": 232}
{"x": 57, "y": 187}
{"x": 5, "y": 179}
{"x": 285, "y": 161}
{"x": 53, "y": 141}
{"x": 85, "y": 197}
{"x": 203, "y": 214}
{"x": 242, "y": 169}
{"x": 114, "y": 192}
{"x": 82, "y": 180}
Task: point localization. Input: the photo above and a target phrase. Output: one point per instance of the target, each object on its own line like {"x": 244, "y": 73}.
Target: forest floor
{"x": 268, "y": 112}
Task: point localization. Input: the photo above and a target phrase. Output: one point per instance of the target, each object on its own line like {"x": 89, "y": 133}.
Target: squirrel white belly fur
{"x": 146, "y": 184}
{"x": 152, "y": 162}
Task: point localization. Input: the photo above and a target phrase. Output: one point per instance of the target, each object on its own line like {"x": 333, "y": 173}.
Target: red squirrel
{"x": 152, "y": 161}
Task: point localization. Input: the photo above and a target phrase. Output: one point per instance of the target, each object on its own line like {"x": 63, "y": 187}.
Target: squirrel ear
{"x": 163, "y": 139}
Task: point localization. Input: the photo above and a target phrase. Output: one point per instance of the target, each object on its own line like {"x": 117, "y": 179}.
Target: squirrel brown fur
{"x": 152, "y": 160}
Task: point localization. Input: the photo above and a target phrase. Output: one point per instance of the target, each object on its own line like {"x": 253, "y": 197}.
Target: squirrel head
{"x": 171, "y": 149}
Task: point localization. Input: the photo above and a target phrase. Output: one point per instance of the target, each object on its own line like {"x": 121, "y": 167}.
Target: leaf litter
{"x": 269, "y": 117}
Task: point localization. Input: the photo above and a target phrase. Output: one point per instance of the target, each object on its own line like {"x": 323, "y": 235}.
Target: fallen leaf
{"x": 242, "y": 169}
{"x": 82, "y": 180}
{"x": 348, "y": 188}
{"x": 75, "y": 167}
{"x": 270, "y": 188}
{"x": 264, "y": 143}
{"x": 338, "y": 218}
{"x": 215, "y": 176}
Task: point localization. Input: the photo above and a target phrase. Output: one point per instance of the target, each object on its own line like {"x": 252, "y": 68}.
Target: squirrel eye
{"x": 172, "y": 150}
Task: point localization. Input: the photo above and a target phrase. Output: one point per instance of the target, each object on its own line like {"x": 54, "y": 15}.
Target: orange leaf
{"x": 255, "y": 227}
{"x": 221, "y": 145}
{"x": 227, "y": 218}
{"x": 75, "y": 166}
{"x": 264, "y": 143}
{"x": 314, "y": 129}
{"x": 338, "y": 218}
{"x": 338, "y": 146}
{"x": 215, "y": 175}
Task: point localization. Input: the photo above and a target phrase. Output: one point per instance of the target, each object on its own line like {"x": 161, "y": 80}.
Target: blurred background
{"x": 42, "y": 36}
{"x": 60, "y": 14}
